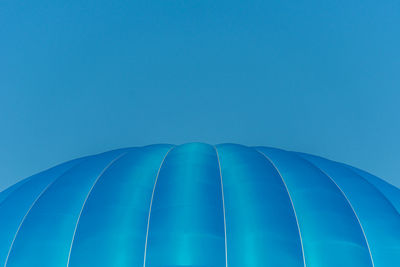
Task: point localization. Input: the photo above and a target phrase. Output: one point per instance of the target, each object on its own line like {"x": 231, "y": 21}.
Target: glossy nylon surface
{"x": 379, "y": 218}
{"x": 187, "y": 220}
{"x": 331, "y": 233}
{"x": 391, "y": 192}
{"x": 122, "y": 205}
{"x": 46, "y": 232}
{"x": 17, "y": 204}
{"x": 228, "y": 205}
{"x": 261, "y": 224}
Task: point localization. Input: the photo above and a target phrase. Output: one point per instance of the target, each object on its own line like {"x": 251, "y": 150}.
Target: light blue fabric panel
{"x": 223, "y": 206}
{"x": 260, "y": 220}
{"x": 187, "y": 220}
{"x": 45, "y": 235}
{"x": 391, "y": 192}
{"x": 5, "y": 193}
{"x": 113, "y": 224}
{"x": 330, "y": 230}
{"x": 379, "y": 218}
{"x": 19, "y": 200}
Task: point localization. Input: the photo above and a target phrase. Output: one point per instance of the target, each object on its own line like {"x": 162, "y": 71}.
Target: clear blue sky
{"x": 82, "y": 77}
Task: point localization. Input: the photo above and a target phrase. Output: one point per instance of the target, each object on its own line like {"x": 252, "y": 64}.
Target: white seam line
{"x": 87, "y": 196}
{"x": 23, "y": 220}
{"x": 378, "y": 191}
{"x": 223, "y": 206}
{"x": 291, "y": 201}
{"x": 348, "y": 201}
{"x": 151, "y": 204}
{"x": 362, "y": 177}
{"x": 30, "y": 208}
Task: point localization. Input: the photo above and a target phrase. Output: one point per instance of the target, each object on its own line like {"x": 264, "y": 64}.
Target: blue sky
{"x": 82, "y": 77}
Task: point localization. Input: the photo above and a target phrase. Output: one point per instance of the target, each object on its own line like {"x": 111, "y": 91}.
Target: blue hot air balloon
{"x": 203, "y": 206}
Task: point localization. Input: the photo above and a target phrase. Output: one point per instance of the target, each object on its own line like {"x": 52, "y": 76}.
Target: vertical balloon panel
{"x": 187, "y": 219}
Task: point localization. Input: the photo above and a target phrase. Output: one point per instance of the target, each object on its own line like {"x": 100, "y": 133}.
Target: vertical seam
{"x": 14, "y": 188}
{"x": 151, "y": 204}
{"x": 379, "y": 192}
{"x": 33, "y": 204}
{"x": 17, "y": 186}
{"x": 348, "y": 201}
{"x": 379, "y": 184}
{"x": 87, "y": 196}
{"x": 350, "y": 169}
{"x": 223, "y": 206}
{"x": 291, "y": 201}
